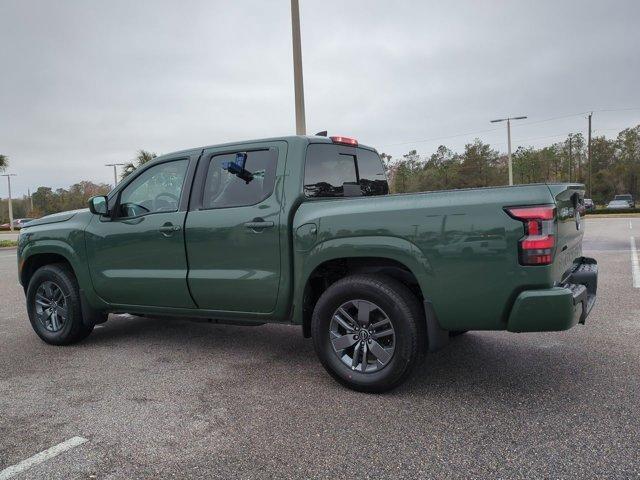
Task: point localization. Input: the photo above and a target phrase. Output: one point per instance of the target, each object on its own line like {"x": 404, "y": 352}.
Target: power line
{"x": 521, "y": 140}
{"x": 442, "y": 138}
{"x": 550, "y": 119}
{"x": 533, "y": 122}
{"x": 618, "y": 109}
{"x": 541, "y": 138}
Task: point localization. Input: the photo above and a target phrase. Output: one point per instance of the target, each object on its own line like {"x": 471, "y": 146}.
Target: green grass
{"x": 8, "y": 243}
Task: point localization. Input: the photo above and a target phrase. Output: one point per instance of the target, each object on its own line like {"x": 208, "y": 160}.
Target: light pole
{"x": 9, "y": 175}
{"x": 570, "y": 154}
{"x": 508, "y": 120}
{"x": 115, "y": 171}
{"x": 301, "y": 128}
{"x": 589, "y": 153}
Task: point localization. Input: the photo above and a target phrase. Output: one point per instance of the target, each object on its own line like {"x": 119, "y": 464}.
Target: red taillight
{"x": 538, "y": 243}
{"x": 345, "y": 141}
{"x": 545, "y": 212}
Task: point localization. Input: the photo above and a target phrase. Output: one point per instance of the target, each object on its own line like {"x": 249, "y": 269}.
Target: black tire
{"x": 73, "y": 329}
{"x": 400, "y": 306}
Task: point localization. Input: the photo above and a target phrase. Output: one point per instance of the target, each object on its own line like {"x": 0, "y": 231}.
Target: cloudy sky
{"x": 84, "y": 83}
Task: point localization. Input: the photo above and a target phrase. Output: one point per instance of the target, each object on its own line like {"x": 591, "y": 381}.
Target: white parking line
{"x": 630, "y": 225}
{"x": 41, "y": 457}
{"x": 635, "y": 265}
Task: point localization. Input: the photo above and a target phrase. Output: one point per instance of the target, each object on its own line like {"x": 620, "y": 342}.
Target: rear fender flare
{"x": 392, "y": 248}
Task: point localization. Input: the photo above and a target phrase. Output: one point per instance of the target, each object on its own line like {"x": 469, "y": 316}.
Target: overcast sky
{"x": 84, "y": 83}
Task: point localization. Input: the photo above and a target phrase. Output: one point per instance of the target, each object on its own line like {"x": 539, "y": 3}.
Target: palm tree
{"x": 4, "y": 162}
{"x": 142, "y": 158}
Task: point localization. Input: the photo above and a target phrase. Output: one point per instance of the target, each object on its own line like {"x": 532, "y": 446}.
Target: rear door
{"x": 233, "y": 229}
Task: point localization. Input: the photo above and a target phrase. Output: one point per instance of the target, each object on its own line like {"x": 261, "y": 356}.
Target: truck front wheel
{"x": 53, "y": 304}
{"x": 369, "y": 332}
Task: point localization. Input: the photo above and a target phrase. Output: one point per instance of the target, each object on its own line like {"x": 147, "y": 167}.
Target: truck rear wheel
{"x": 369, "y": 332}
{"x": 53, "y": 304}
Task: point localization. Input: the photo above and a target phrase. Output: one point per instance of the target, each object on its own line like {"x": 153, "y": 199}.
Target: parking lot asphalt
{"x": 175, "y": 398}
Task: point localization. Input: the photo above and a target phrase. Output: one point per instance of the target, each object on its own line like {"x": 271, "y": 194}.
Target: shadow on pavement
{"x": 498, "y": 365}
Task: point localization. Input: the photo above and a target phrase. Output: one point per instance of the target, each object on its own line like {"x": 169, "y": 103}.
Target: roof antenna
{"x": 321, "y": 134}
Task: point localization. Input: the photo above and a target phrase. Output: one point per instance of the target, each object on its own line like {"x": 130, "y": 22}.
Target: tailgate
{"x": 569, "y": 201}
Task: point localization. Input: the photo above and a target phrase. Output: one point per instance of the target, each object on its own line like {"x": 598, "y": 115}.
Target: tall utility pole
{"x": 115, "y": 172}
{"x": 570, "y": 154}
{"x": 301, "y": 128}
{"x": 9, "y": 175}
{"x": 589, "y": 154}
{"x": 508, "y": 120}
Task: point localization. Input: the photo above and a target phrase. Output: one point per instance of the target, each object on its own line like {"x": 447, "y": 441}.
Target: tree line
{"x": 45, "y": 200}
{"x": 615, "y": 166}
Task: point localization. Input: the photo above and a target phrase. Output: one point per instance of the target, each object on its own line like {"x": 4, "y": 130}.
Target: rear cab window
{"x": 341, "y": 171}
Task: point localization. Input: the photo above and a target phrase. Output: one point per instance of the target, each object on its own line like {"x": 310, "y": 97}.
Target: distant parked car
{"x": 589, "y": 205}
{"x": 18, "y": 223}
{"x": 628, "y": 198}
{"x": 618, "y": 205}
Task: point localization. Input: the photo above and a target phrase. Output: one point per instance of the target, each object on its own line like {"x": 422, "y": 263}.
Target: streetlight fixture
{"x": 301, "y": 128}
{"x": 508, "y": 120}
{"x": 9, "y": 175}
{"x": 115, "y": 171}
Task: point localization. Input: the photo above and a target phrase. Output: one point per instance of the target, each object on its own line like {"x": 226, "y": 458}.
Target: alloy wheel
{"x": 51, "y": 306}
{"x": 362, "y": 336}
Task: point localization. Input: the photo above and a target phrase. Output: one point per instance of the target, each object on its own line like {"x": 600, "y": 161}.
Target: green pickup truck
{"x": 302, "y": 230}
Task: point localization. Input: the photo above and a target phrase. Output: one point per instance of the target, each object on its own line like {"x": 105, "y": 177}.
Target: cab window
{"x": 157, "y": 189}
{"x": 224, "y": 189}
{"x": 335, "y": 171}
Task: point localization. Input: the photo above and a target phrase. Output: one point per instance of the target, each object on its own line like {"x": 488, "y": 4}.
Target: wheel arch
{"x": 328, "y": 261}
{"x": 40, "y": 252}
{"x": 60, "y": 253}
{"x": 398, "y": 258}
{"x": 330, "y": 271}
{"x": 33, "y": 262}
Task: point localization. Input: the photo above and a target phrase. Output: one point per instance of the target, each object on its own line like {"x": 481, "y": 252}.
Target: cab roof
{"x": 290, "y": 138}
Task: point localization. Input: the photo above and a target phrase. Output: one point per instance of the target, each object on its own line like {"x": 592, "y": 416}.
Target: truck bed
{"x": 466, "y": 244}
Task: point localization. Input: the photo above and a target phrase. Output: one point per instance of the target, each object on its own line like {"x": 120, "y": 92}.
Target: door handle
{"x": 258, "y": 225}
{"x": 168, "y": 229}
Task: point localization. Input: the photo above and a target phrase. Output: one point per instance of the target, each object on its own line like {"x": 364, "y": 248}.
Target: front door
{"x": 233, "y": 229}
{"x": 137, "y": 257}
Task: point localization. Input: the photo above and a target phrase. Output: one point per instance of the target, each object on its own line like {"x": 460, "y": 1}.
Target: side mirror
{"x": 98, "y": 206}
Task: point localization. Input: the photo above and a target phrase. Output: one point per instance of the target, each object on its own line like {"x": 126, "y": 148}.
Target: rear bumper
{"x": 558, "y": 308}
